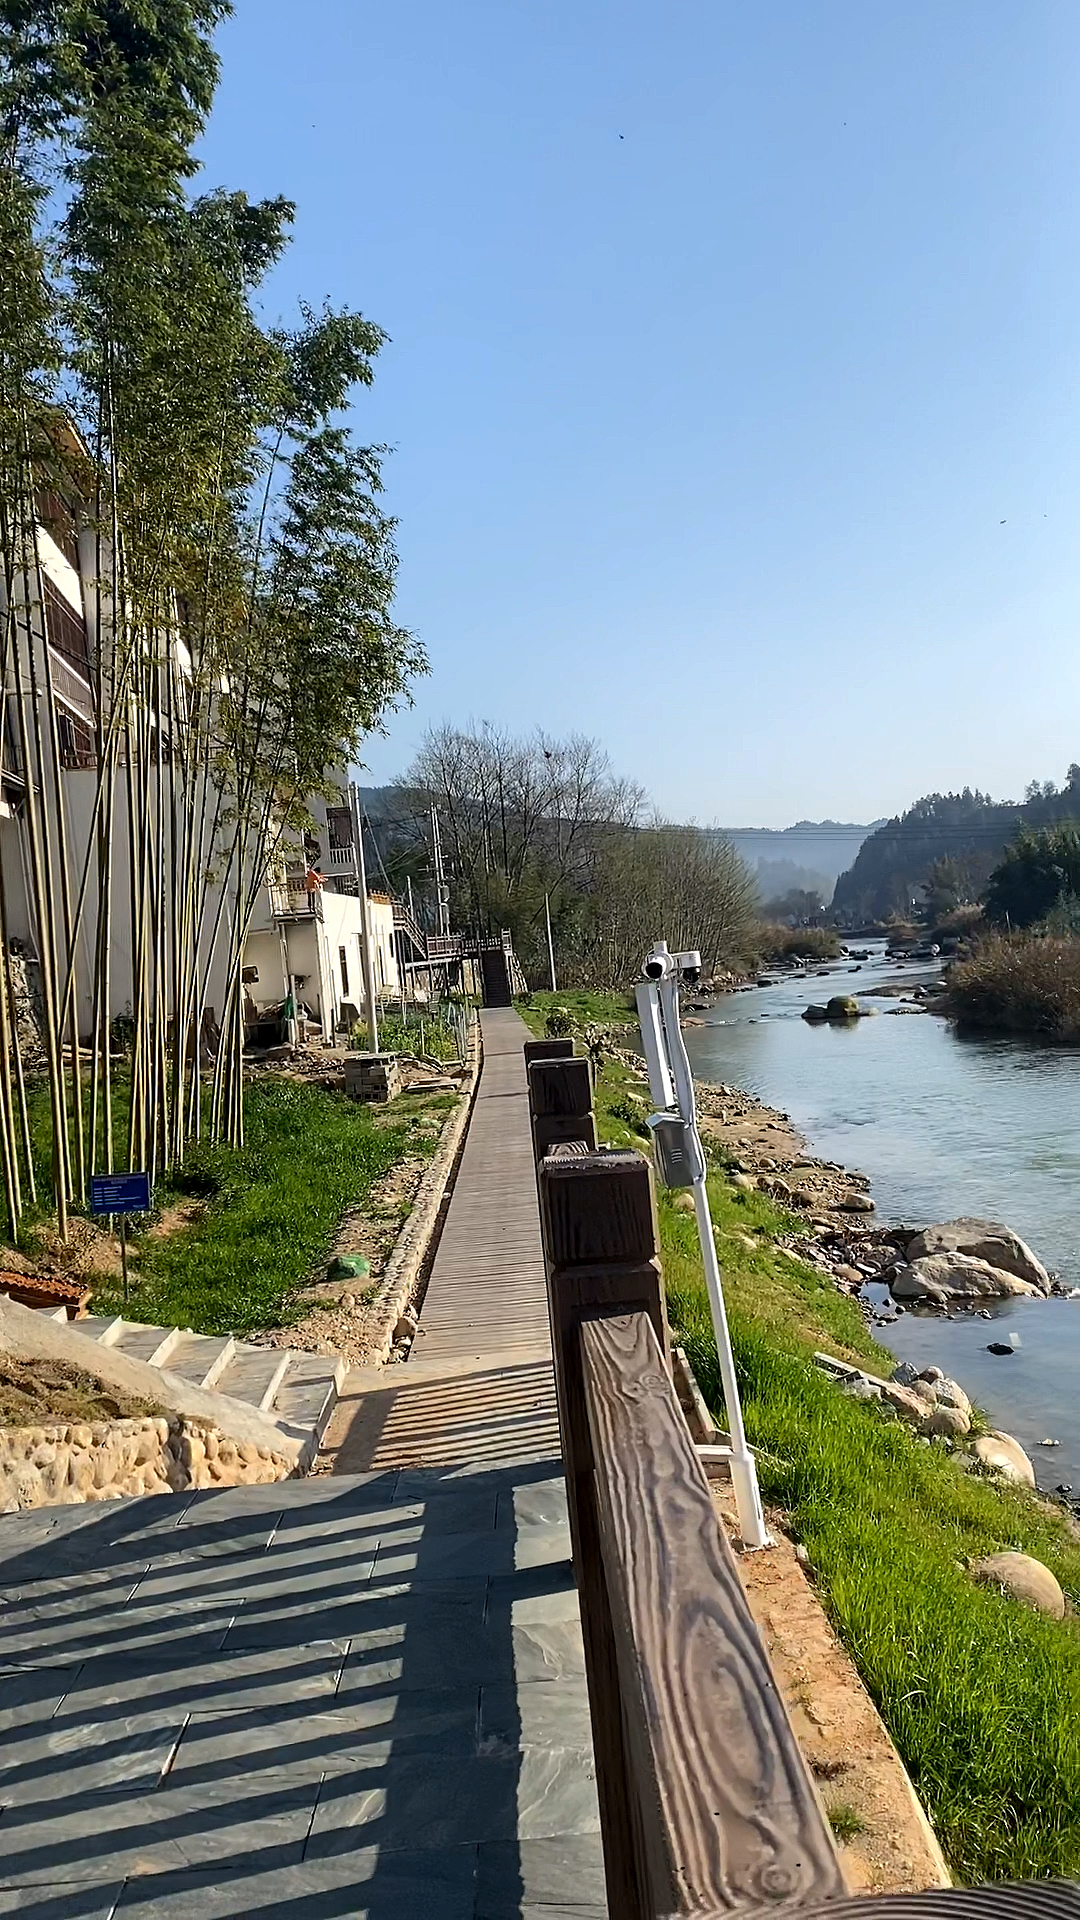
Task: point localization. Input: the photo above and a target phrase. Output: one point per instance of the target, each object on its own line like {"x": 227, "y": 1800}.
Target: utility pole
{"x": 442, "y": 891}
{"x": 551, "y": 949}
{"x": 371, "y": 1011}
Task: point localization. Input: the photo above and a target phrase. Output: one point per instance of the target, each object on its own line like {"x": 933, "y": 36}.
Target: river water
{"x": 944, "y": 1125}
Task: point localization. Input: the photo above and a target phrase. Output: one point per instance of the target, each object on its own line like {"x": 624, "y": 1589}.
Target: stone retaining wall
{"x": 63, "y": 1465}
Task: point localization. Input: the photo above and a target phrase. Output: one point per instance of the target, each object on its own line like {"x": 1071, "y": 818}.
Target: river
{"x": 944, "y": 1125}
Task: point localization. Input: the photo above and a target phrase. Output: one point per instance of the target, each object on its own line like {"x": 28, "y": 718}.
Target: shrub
{"x": 799, "y": 943}
{"x": 1019, "y": 983}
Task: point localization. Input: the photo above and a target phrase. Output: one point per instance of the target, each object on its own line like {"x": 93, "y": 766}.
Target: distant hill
{"x": 967, "y": 830}
{"x": 809, "y": 855}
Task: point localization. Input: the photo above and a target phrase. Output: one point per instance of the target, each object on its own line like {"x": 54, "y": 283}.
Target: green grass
{"x": 583, "y": 1006}
{"x": 271, "y": 1207}
{"x": 981, "y": 1696}
{"x": 846, "y": 1821}
{"x": 433, "y": 1035}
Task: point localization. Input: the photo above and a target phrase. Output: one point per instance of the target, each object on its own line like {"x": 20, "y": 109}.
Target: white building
{"x": 305, "y": 936}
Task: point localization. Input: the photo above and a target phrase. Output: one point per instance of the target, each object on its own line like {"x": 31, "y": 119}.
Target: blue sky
{"x": 705, "y": 434}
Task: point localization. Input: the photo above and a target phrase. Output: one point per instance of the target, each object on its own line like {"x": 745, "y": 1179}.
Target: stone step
{"x": 297, "y": 1390}
{"x": 200, "y": 1357}
{"x": 254, "y": 1374}
{"x": 308, "y": 1391}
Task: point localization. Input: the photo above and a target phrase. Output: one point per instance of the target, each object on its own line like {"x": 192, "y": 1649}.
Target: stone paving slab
{"x": 357, "y": 1695}
{"x": 70, "y": 1900}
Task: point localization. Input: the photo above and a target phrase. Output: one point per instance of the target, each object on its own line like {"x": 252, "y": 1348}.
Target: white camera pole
{"x": 672, "y": 1085}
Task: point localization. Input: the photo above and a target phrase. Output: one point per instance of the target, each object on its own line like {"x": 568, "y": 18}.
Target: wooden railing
{"x": 707, "y": 1807}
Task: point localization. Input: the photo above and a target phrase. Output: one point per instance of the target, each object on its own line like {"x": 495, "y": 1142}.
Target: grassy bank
{"x": 264, "y": 1215}
{"x": 575, "y": 1009}
{"x": 981, "y": 1696}
{"x": 1019, "y": 983}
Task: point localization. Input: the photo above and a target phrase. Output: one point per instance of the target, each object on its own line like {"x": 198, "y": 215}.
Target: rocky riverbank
{"x": 948, "y": 1268}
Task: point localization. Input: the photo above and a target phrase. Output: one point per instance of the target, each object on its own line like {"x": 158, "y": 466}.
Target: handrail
{"x": 706, "y": 1804}
{"x": 707, "y": 1808}
{"x": 729, "y": 1814}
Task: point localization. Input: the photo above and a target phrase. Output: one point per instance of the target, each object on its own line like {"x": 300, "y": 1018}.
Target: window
{"x": 339, "y": 828}
{"x": 343, "y": 963}
{"x": 66, "y": 629}
{"x": 76, "y": 742}
{"x": 58, "y": 521}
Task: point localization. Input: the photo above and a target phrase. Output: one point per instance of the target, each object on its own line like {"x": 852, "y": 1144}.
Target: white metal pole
{"x": 370, "y": 1006}
{"x": 551, "y": 949}
{"x": 743, "y": 1469}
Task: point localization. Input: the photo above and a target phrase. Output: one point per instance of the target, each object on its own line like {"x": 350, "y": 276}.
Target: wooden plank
{"x": 1007, "y": 1900}
{"x": 730, "y": 1817}
{"x": 599, "y": 1210}
{"x": 560, "y": 1086}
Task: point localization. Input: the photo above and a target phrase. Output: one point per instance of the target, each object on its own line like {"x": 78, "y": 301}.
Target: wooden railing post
{"x": 560, "y": 1103}
{"x": 547, "y": 1050}
{"x": 598, "y": 1216}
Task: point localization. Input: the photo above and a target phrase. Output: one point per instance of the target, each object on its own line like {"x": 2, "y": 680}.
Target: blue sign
{"x": 119, "y": 1193}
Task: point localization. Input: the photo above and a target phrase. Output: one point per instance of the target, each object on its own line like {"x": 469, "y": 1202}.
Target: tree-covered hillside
{"x": 948, "y": 843}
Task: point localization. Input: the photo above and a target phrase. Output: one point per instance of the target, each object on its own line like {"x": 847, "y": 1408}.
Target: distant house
{"x": 306, "y": 938}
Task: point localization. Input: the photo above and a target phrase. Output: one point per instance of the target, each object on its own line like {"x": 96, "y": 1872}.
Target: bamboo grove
{"x": 240, "y": 583}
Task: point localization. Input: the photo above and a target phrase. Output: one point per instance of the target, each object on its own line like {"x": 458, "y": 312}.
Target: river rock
{"x": 933, "y": 1374}
{"x": 1006, "y": 1456}
{"x": 904, "y": 1374}
{"x": 951, "y": 1394}
{"x": 944, "y": 1276}
{"x": 905, "y": 1283}
{"x": 950, "y": 1421}
{"x": 987, "y": 1240}
{"x": 904, "y": 1402}
{"x": 842, "y": 1006}
{"x": 816, "y": 1013}
{"x": 1024, "y": 1578}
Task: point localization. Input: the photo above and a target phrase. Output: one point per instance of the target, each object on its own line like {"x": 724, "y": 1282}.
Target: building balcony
{"x": 294, "y": 901}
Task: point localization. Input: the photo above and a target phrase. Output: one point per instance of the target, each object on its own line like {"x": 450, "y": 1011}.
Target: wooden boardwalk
{"x": 479, "y": 1385}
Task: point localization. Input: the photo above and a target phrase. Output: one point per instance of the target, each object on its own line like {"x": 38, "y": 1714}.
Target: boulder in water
{"x": 842, "y": 1006}
{"x": 944, "y": 1276}
{"x": 985, "y": 1240}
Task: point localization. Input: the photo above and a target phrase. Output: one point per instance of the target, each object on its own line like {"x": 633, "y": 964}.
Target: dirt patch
{"x": 36, "y": 1392}
{"x": 174, "y": 1219}
{"x": 89, "y": 1249}
{"x": 886, "y": 1842}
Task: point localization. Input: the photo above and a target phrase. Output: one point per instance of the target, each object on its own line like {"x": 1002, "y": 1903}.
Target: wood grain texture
{"x": 730, "y": 1815}
{"x": 597, "y": 1210}
{"x": 1007, "y": 1900}
{"x": 560, "y": 1087}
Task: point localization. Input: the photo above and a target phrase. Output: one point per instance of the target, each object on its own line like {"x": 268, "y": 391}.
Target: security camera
{"x": 689, "y": 965}
{"x": 659, "y": 962}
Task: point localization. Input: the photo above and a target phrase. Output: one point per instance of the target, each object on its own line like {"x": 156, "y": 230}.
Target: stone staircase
{"x": 298, "y": 1390}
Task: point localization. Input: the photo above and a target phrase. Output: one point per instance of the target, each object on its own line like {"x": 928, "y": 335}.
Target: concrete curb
{"x": 414, "y": 1241}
